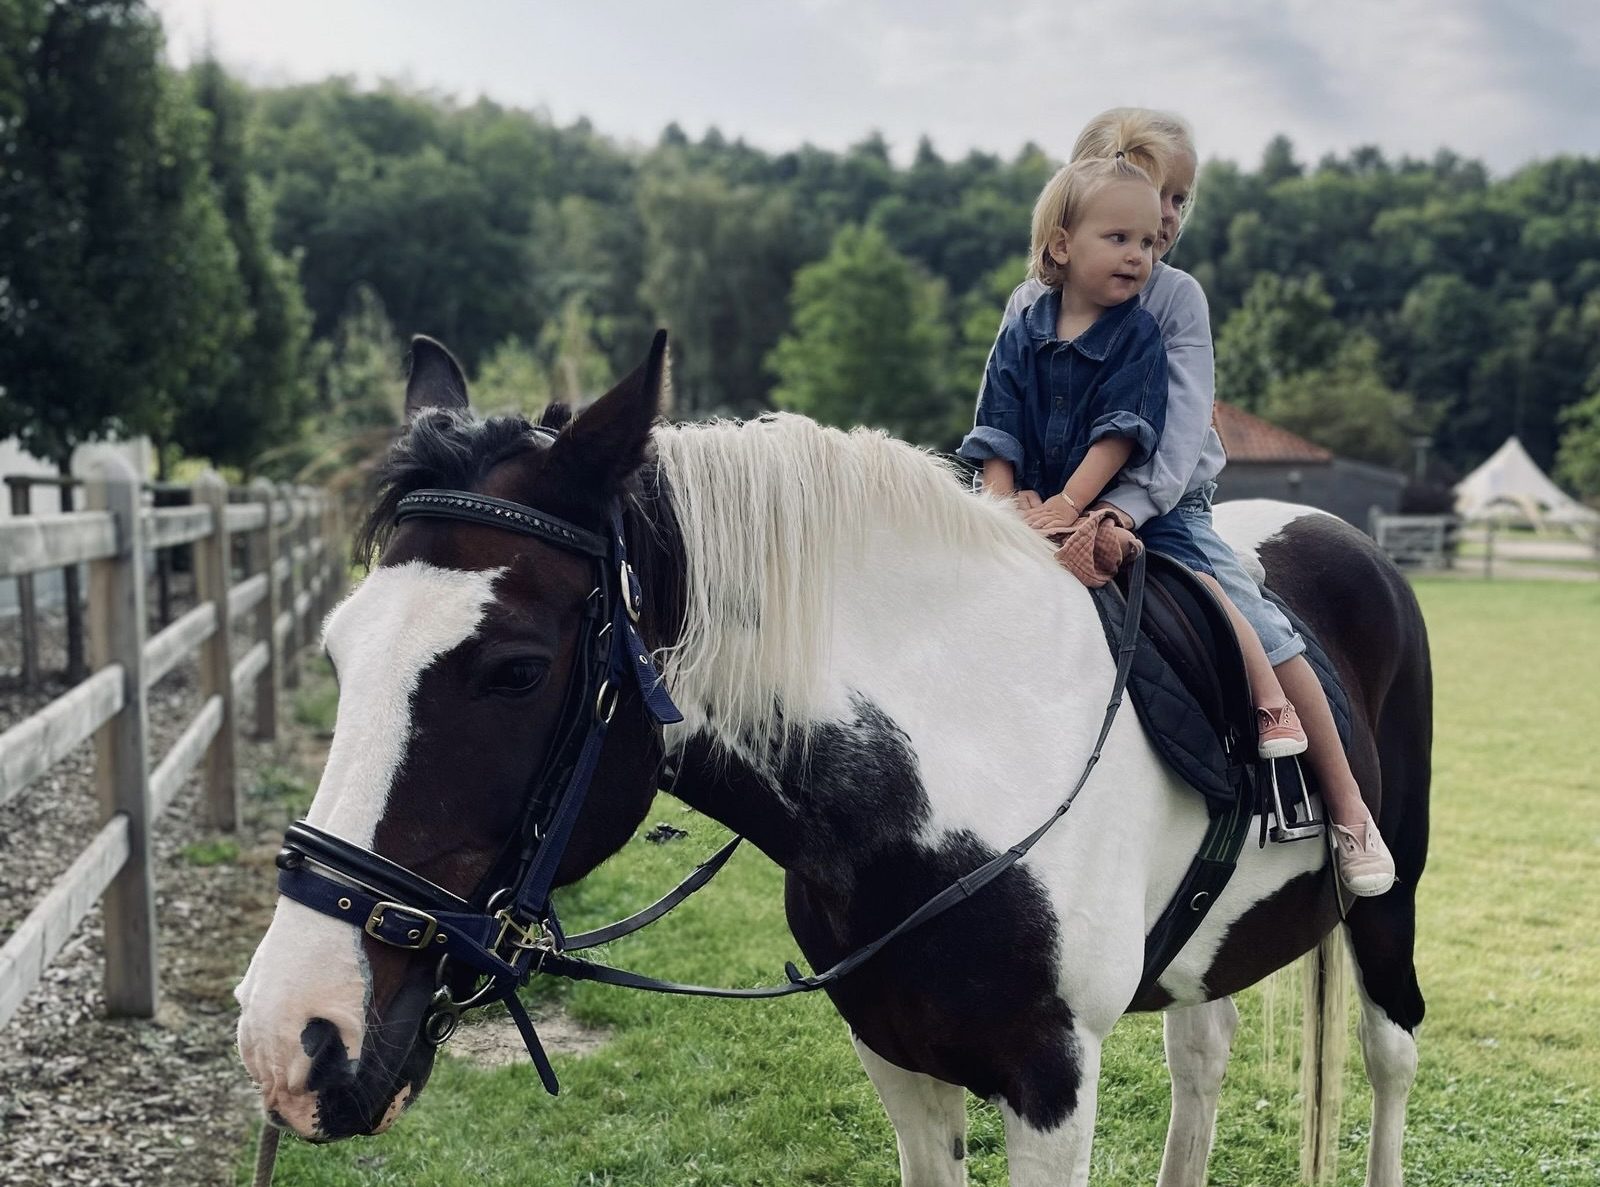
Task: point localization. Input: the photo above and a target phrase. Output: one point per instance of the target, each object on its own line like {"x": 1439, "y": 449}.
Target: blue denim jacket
{"x": 1044, "y": 402}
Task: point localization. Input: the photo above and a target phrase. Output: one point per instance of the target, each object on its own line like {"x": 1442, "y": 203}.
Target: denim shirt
{"x": 1190, "y": 453}
{"x": 1044, "y": 402}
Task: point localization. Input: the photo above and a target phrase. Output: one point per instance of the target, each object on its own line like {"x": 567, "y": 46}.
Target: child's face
{"x": 1110, "y": 251}
{"x": 1174, "y": 198}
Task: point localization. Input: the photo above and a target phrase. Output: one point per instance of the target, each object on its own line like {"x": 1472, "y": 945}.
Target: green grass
{"x": 694, "y": 1092}
{"x": 317, "y": 700}
{"x": 211, "y": 853}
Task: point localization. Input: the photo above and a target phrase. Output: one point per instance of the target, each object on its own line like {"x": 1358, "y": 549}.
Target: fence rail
{"x": 291, "y": 575}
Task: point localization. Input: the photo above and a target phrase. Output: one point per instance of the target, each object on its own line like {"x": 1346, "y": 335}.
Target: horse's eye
{"x": 518, "y": 676}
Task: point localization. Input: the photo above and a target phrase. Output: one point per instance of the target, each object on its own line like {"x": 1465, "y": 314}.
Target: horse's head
{"x": 455, "y": 660}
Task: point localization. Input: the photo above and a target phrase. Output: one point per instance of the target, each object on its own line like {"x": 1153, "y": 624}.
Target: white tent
{"x": 1509, "y": 483}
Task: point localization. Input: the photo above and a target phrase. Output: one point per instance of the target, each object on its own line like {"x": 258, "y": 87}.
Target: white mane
{"x": 766, "y": 508}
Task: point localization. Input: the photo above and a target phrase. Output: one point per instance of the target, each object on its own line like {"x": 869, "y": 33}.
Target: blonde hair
{"x": 1153, "y": 140}
{"x": 1062, "y": 201}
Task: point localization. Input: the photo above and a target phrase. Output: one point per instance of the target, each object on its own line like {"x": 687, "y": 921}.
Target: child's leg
{"x": 1340, "y": 791}
{"x": 1280, "y": 736}
{"x": 1265, "y": 690}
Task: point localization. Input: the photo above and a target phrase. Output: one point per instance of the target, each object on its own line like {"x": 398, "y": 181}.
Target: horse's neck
{"x": 946, "y": 677}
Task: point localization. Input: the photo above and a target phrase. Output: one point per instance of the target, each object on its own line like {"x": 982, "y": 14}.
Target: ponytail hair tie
{"x": 1120, "y": 155}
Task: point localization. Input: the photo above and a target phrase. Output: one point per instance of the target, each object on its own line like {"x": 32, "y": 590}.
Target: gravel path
{"x": 89, "y": 1100}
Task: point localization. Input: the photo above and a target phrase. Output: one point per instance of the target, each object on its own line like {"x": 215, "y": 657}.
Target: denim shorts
{"x": 1172, "y": 535}
{"x": 1282, "y": 641}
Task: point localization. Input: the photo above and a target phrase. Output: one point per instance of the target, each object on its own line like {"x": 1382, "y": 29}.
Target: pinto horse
{"x": 885, "y": 682}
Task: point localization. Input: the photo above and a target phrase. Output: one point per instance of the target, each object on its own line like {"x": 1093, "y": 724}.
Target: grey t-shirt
{"x": 1189, "y": 454}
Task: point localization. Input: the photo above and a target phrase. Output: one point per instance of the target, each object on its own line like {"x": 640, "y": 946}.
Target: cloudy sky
{"x": 1503, "y": 80}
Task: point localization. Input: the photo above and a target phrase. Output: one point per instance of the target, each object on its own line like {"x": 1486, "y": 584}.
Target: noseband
{"x": 509, "y": 925}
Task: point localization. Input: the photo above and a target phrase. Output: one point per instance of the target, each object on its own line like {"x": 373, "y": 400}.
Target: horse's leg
{"x": 1198, "y": 1039}
{"x": 1057, "y": 1155}
{"x": 929, "y": 1118}
{"x": 1381, "y": 936}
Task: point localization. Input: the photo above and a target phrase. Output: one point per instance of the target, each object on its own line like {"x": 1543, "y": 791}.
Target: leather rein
{"x": 508, "y": 931}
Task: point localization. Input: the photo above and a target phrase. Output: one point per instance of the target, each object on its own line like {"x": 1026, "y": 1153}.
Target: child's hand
{"x": 1052, "y": 517}
{"x": 1026, "y": 500}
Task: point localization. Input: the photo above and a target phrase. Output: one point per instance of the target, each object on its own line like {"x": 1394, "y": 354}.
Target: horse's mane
{"x": 765, "y": 509}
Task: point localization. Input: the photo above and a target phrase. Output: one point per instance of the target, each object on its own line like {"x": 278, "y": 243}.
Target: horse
{"x": 885, "y": 681}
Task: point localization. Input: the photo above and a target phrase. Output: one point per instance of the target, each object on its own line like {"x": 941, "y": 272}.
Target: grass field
{"x": 712, "y": 1093}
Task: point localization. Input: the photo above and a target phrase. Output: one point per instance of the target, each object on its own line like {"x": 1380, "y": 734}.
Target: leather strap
{"x": 500, "y": 513}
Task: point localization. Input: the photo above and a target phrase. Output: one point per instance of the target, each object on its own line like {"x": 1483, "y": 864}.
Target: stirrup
{"x": 1299, "y": 821}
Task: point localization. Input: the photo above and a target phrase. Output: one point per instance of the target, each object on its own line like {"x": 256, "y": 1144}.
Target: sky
{"x": 1504, "y": 81}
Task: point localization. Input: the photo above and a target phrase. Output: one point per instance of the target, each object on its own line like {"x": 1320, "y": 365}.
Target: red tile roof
{"x": 1248, "y": 438}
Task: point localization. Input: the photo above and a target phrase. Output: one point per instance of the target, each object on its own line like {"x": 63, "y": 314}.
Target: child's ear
{"x": 1059, "y": 245}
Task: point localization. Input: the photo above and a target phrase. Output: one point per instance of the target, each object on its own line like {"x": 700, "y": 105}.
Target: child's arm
{"x": 1129, "y": 409}
{"x": 994, "y": 442}
{"x": 1099, "y": 466}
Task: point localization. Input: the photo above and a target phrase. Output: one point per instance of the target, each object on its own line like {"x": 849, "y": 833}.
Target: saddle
{"x": 1188, "y": 683}
{"x": 1189, "y": 689}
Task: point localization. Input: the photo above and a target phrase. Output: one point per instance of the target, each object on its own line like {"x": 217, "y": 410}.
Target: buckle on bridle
{"x": 416, "y": 938}
{"x": 525, "y": 936}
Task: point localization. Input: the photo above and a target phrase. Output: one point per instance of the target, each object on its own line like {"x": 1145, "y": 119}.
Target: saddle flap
{"x": 1188, "y": 683}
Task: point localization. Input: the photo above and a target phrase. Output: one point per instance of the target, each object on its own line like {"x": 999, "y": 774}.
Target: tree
{"x": 1345, "y": 405}
{"x": 511, "y": 378}
{"x": 717, "y": 264}
{"x": 1284, "y": 328}
{"x": 258, "y": 404}
{"x": 121, "y": 290}
{"x": 1277, "y": 161}
{"x": 868, "y": 345}
{"x": 360, "y": 400}
{"x": 1578, "y": 460}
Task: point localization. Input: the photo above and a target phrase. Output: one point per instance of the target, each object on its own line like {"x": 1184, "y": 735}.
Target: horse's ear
{"x": 605, "y": 444}
{"x": 434, "y": 379}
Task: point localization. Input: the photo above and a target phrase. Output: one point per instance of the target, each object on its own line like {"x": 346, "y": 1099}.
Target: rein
{"x": 503, "y": 936}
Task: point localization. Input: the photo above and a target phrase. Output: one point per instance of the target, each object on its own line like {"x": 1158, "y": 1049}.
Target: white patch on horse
{"x": 381, "y": 639}
{"x": 1247, "y": 524}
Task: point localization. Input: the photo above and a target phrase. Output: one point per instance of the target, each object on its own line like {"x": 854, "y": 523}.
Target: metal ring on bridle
{"x": 630, "y": 590}
{"x": 605, "y": 702}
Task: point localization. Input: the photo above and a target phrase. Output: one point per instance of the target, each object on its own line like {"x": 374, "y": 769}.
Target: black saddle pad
{"x": 1188, "y": 684}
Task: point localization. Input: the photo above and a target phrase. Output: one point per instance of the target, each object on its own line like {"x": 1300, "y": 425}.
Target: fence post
{"x": 116, "y": 636}
{"x": 291, "y": 532}
{"x": 263, "y": 551}
{"x": 27, "y": 607}
{"x": 213, "y": 573}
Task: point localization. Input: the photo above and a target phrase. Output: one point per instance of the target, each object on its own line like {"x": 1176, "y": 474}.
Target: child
{"x": 1181, "y": 475}
{"x": 1075, "y": 393}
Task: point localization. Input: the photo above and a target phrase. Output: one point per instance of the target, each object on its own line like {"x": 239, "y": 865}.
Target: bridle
{"x": 508, "y": 930}
{"x": 509, "y": 925}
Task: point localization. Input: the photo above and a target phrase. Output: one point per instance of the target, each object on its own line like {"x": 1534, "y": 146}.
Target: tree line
{"x": 231, "y": 270}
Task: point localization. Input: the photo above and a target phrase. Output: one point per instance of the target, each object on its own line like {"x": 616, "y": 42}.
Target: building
{"x": 1268, "y": 462}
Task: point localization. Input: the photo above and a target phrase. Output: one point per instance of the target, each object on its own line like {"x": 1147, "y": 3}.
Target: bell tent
{"x": 1510, "y": 485}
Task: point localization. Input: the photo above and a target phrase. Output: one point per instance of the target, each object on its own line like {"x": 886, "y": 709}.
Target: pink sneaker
{"x": 1365, "y": 867}
{"x": 1278, "y": 732}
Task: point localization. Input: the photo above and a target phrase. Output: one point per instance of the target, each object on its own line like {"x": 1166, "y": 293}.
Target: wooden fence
{"x": 287, "y": 543}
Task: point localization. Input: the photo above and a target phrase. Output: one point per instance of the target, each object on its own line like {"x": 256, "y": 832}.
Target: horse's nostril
{"x": 321, "y": 1041}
